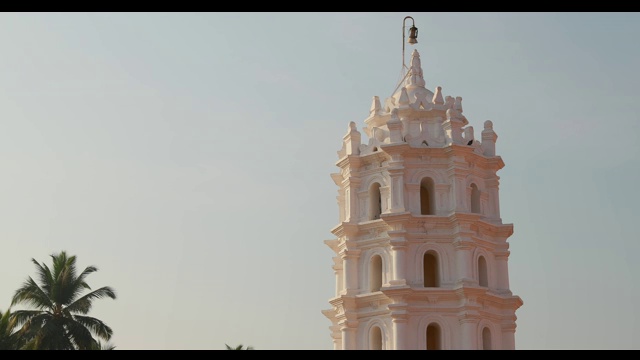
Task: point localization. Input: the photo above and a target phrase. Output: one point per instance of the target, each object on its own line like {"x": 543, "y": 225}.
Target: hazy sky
{"x": 188, "y": 156}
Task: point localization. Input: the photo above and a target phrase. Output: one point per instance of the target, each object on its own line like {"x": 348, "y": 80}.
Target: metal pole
{"x": 403, "y": 36}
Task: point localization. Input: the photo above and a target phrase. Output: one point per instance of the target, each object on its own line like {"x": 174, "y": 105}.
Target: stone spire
{"x": 415, "y": 77}
{"x": 413, "y": 92}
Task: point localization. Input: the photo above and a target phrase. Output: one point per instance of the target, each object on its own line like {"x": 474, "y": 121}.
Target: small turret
{"x": 489, "y": 138}
{"x": 437, "y": 97}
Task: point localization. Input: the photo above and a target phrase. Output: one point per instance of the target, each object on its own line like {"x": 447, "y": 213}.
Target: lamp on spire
{"x": 413, "y": 35}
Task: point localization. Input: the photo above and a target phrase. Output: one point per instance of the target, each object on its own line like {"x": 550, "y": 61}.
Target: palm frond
{"x": 30, "y": 324}
{"x": 31, "y": 294}
{"x": 9, "y": 340}
{"x": 80, "y": 335}
{"x": 44, "y": 273}
{"x": 106, "y": 346}
{"x": 79, "y": 283}
{"x": 60, "y": 262}
{"x": 76, "y": 288}
{"x": 32, "y": 344}
{"x": 5, "y": 322}
{"x": 103, "y": 346}
{"x": 88, "y": 270}
{"x": 80, "y": 306}
{"x": 54, "y": 336}
{"x": 22, "y": 317}
{"x": 64, "y": 273}
{"x": 96, "y": 326}
{"x": 83, "y": 304}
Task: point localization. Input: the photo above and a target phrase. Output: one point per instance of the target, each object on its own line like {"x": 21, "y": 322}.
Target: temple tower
{"x": 421, "y": 253}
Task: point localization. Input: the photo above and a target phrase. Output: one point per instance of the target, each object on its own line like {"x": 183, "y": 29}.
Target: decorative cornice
{"x": 334, "y": 244}
{"x": 337, "y": 178}
{"x": 351, "y": 161}
{"x": 396, "y": 148}
{"x": 396, "y": 217}
{"x": 345, "y": 229}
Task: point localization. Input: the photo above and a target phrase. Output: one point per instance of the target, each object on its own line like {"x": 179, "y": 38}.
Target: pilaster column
{"x": 509, "y": 336}
{"x": 468, "y": 332}
{"x": 337, "y": 269}
{"x": 459, "y": 191}
{"x": 396, "y": 175}
{"x": 502, "y": 270}
{"x": 385, "y": 199}
{"x": 349, "y": 333}
{"x": 413, "y": 194}
{"x": 494, "y": 197}
{"x": 350, "y": 272}
{"x": 464, "y": 262}
{"x": 398, "y": 250}
{"x": 441, "y": 200}
{"x": 351, "y": 197}
{"x": 399, "y": 321}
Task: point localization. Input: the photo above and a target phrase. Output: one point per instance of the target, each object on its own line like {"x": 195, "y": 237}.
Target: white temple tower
{"x": 421, "y": 253}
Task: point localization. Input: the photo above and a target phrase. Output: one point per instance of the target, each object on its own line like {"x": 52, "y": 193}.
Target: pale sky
{"x": 188, "y": 156}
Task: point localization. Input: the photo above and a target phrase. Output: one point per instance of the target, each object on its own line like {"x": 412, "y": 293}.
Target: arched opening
{"x": 375, "y": 202}
{"x": 375, "y": 273}
{"x": 433, "y": 337}
{"x": 483, "y": 278}
{"x": 486, "y": 339}
{"x": 475, "y": 199}
{"x": 375, "y": 338}
{"x": 430, "y": 269}
{"x": 427, "y": 197}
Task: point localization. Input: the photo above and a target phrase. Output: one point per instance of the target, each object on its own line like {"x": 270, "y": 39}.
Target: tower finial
{"x": 415, "y": 77}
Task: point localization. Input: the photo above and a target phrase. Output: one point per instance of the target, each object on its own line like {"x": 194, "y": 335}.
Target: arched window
{"x": 430, "y": 269}
{"x": 375, "y": 202}
{"x": 486, "y": 339}
{"x": 375, "y": 273}
{"x": 427, "y": 197}
{"x": 433, "y": 337}
{"x": 483, "y": 279}
{"x": 375, "y": 338}
{"x": 475, "y": 199}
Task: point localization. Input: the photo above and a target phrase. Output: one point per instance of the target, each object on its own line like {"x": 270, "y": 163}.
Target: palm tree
{"x": 59, "y": 320}
{"x": 239, "y": 347}
{"x": 9, "y": 340}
